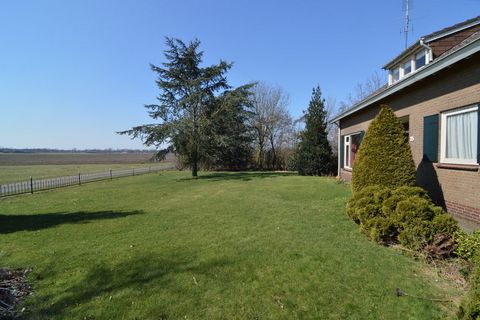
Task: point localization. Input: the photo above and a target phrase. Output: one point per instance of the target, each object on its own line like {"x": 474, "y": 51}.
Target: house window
{"x": 420, "y": 60}
{"x": 395, "y": 75}
{"x": 459, "y": 134}
{"x": 406, "y": 126}
{"x": 351, "y": 145}
{"x": 407, "y": 67}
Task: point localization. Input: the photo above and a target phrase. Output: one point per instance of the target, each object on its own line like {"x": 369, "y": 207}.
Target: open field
{"x": 10, "y": 174}
{"x": 225, "y": 246}
{"x": 16, "y": 159}
{"x": 15, "y": 167}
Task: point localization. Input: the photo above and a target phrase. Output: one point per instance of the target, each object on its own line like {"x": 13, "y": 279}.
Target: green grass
{"x": 19, "y": 173}
{"x": 225, "y": 246}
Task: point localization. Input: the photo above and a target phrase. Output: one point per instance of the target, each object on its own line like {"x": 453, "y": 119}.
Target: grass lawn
{"x": 11, "y": 173}
{"x": 225, "y": 246}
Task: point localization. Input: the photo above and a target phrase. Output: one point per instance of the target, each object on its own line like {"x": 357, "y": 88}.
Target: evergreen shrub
{"x": 470, "y": 305}
{"x": 384, "y": 157}
{"x": 405, "y": 215}
{"x": 468, "y": 245}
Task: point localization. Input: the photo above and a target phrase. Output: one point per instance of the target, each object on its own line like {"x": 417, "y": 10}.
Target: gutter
{"x": 430, "y": 55}
{"x": 427, "y": 70}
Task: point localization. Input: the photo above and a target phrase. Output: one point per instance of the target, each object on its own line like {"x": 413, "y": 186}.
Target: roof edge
{"x": 454, "y": 29}
{"x": 430, "y": 69}
{"x": 407, "y": 52}
{"x": 432, "y": 37}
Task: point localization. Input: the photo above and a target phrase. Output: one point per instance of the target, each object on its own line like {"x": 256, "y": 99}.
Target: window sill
{"x": 465, "y": 167}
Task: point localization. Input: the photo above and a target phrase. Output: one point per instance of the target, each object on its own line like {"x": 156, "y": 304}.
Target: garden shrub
{"x": 470, "y": 305}
{"x": 405, "y": 215}
{"x": 416, "y": 234}
{"x": 381, "y": 229}
{"x": 414, "y": 208}
{"x": 384, "y": 157}
{"x": 367, "y": 202}
{"x": 468, "y": 245}
{"x": 409, "y": 191}
{"x": 443, "y": 222}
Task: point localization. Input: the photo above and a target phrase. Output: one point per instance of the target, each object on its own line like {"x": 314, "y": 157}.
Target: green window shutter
{"x": 430, "y": 138}
{"x": 341, "y": 151}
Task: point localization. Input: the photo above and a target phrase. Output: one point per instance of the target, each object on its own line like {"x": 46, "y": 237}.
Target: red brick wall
{"x": 444, "y": 44}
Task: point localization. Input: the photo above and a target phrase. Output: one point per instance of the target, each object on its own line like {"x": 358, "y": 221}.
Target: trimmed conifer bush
{"x": 367, "y": 202}
{"x": 405, "y": 215}
{"x": 384, "y": 157}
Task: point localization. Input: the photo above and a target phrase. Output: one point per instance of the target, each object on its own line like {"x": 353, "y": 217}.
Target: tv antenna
{"x": 406, "y": 28}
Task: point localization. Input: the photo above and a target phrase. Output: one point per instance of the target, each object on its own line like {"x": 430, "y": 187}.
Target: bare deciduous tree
{"x": 362, "y": 90}
{"x": 271, "y": 122}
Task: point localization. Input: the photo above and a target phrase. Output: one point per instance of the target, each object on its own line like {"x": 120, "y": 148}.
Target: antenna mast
{"x": 406, "y": 27}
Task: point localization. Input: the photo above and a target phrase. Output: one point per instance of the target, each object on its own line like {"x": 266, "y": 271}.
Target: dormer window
{"x": 420, "y": 60}
{"x": 395, "y": 74}
{"x": 407, "y": 67}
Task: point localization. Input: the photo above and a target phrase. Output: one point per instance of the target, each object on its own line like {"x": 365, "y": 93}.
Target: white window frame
{"x": 346, "y": 160}
{"x": 398, "y": 69}
{"x": 443, "y": 136}
{"x": 426, "y": 58}
{"x": 346, "y": 151}
{"x": 409, "y": 61}
{"x": 412, "y": 59}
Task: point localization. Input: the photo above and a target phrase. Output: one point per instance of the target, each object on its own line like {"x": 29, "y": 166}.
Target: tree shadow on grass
{"x": 244, "y": 176}
{"x": 140, "y": 277}
{"x": 33, "y": 222}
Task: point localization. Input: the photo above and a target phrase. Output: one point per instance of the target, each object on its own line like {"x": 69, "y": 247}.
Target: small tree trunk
{"x": 260, "y": 157}
{"x": 195, "y": 169}
{"x": 274, "y": 154}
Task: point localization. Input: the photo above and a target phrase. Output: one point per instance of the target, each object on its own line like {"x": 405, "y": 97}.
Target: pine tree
{"x": 384, "y": 157}
{"x": 187, "y": 91}
{"x": 314, "y": 154}
{"x": 230, "y": 136}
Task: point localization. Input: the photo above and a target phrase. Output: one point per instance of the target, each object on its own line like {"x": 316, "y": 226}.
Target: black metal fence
{"x": 33, "y": 185}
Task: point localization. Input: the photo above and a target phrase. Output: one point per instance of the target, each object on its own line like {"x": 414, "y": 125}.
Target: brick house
{"x": 434, "y": 88}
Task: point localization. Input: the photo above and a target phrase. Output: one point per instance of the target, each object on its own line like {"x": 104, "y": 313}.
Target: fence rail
{"x": 34, "y": 185}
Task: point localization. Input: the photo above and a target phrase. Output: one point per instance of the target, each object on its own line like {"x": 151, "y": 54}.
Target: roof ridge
{"x": 434, "y": 35}
{"x": 452, "y": 27}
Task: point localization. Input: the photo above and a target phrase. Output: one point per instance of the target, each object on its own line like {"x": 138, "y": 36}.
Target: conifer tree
{"x": 384, "y": 157}
{"x": 230, "y": 135}
{"x": 314, "y": 154}
{"x": 187, "y": 91}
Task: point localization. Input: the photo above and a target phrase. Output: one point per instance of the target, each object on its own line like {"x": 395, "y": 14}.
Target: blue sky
{"x": 74, "y": 72}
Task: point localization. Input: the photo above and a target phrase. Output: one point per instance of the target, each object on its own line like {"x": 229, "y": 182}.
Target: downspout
{"x": 430, "y": 57}
{"x": 339, "y": 145}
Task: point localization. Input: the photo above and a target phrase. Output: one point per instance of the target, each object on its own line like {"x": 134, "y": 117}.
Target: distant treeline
{"x": 46, "y": 150}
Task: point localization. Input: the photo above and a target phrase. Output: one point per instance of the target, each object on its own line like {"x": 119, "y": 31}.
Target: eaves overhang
{"x": 428, "y": 70}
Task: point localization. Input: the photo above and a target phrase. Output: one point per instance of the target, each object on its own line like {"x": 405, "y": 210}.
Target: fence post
{"x": 111, "y": 177}
{"x": 149, "y": 169}
{"x": 133, "y": 171}
{"x": 79, "y": 179}
{"x": 31, "y": 185}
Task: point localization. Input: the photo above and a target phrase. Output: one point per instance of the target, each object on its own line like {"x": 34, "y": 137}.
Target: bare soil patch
{"x": 13, "y": 287}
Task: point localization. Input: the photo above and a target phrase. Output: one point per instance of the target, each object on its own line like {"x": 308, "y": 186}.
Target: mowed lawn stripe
{"x": 225, "y": 246}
